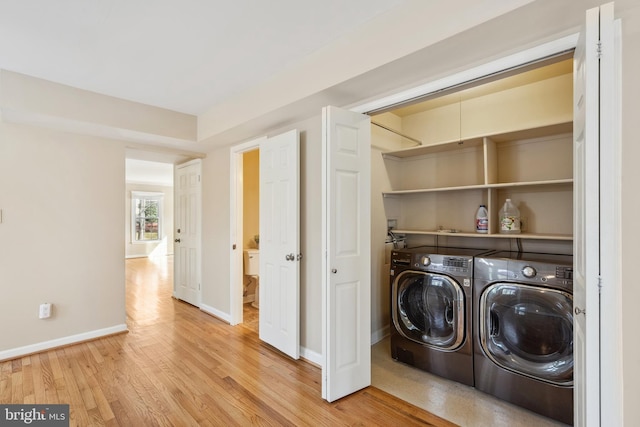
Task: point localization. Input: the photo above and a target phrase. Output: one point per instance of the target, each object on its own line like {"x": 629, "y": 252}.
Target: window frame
{"x": 151, "y": 196}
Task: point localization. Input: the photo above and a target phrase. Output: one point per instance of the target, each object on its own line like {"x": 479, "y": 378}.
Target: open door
{"x": 280, "y": 256}
{"x": 187, "y": 196}
{"x": 592, "y": 129}
{"x": 346, "y": 293}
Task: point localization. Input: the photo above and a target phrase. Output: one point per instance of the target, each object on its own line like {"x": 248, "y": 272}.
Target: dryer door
{"x": 428, "y": 308}
{"x": 528, "y": 330}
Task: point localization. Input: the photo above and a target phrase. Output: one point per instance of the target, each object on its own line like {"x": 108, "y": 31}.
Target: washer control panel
{"x": 529, "y": 272}
{"x": 445, "y": 264}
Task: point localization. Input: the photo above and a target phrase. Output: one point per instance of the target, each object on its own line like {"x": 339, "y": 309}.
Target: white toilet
{"x": 252, "y": 269}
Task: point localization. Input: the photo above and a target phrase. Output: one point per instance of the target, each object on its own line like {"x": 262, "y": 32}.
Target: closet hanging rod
{"x": 397, "y": 133}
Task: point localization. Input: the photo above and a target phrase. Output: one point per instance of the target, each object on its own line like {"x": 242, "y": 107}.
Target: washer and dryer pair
{"x": 499, "y": 321}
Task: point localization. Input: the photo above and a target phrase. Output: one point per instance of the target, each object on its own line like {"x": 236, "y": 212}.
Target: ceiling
{"x": 185, "y": 56}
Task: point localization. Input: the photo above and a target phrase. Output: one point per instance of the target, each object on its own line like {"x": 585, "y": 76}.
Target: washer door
{"x": 528, "y": 330}
{"x": 428, "y": 308}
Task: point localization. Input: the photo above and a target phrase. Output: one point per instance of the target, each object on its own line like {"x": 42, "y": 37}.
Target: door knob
{"x": 290, "y": 257}
{"x": 177, "y": 240}
{"x": 334, "y": 270}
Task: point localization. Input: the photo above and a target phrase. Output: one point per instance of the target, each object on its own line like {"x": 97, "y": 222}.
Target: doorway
{"x": 149, "y": 202}
{"x": 244, "y": 226}
{"x": 151, "y": 173}
{"x": 443, "y": 178}
{"x": 250, "y": 219}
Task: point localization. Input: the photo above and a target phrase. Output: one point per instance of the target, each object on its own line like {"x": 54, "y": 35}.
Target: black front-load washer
{"x": 431, "y": 290}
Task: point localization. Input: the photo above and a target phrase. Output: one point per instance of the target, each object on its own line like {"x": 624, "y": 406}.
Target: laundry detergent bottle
{"x": 482, "y": 220}
{"x": 509, "y": 218}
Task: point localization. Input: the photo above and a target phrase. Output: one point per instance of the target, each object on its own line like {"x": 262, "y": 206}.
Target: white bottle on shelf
{"x": 509, "y": 218}
{"x": 482, "y": 220}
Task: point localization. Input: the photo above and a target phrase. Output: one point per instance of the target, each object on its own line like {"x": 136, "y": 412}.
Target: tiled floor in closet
{"x": 452, "y": 401}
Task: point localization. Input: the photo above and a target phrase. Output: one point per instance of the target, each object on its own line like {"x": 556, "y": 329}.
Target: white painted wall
{"x": 630, "y": 235}
{"x": 43, "y": 100}
{"x": 61, "y": 235}
{"x": 62, "y": 196}
{"x": 216, "y": 245}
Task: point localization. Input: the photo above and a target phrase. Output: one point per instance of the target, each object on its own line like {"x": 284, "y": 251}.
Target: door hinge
{"x": 198, "y": 178}
{"x": 199, "y": 286}
{"x": 599, "y": 284}
{"x": 599, "y": 49}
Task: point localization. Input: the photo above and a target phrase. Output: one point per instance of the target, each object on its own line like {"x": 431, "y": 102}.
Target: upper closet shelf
{"x": 477, "y": 141}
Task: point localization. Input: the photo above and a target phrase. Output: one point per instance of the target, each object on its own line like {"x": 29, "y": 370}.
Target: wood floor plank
{"x": 28, "y": 394}
{"x": 178, "y": 366}
{"x": 16, "y": 385}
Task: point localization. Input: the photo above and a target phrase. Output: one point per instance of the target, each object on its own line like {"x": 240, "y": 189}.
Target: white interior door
{"x": 187, "y": 200}
{"x": 280, "y": 256}
{"x": 346, "y": 294}
{"x": 587, "y": 220}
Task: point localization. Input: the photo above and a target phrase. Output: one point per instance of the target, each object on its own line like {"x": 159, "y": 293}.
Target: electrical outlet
{"x": 45, "y": 310}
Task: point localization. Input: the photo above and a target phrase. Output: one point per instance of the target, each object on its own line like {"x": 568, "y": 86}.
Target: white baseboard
{"x": 311, "y": 356}
{"x": 60, "y": 342}
{"x": 216, "y": 313}
{"x": 380, "y": 334}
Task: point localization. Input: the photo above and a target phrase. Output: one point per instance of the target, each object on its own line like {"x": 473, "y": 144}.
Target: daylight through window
{"x": 146, "y": 216}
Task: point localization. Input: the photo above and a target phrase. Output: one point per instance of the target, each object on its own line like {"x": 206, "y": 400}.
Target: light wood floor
{"x": 181, "y": 367}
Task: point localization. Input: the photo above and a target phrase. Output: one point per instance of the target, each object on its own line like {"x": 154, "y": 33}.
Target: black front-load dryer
{"x": 524, "y": 330}
{"x": 431, "y": 290}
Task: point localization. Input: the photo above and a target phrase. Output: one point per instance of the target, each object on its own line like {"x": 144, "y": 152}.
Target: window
{"x": 146, "y": 216}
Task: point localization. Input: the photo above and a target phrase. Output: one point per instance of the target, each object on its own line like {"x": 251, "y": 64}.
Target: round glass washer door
{"x": 528, "y": 330}
{"x": 429, "y": 309}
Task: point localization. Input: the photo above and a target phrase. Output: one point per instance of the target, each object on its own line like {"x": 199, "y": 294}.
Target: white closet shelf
{"x": 566, "y": 237}
{"x": 476, "y": 141}
{"x": 545, "y": 183}
{"x": 441, "y": 147}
